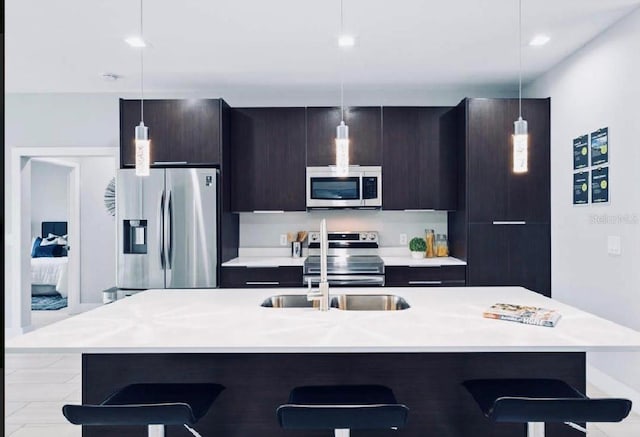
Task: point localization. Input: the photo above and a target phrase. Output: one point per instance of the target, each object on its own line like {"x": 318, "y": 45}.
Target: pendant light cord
{"x": 520, "y": 58}
{"x": 141, "y": 68}
{"x": 341, "y": 65}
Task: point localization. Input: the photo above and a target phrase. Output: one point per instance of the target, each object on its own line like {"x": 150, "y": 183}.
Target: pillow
{"x": 49, "y": 251}
{"x": 54, "y": 239}
{"x": 35, "y": 245}
{"x": 49, "y": 240}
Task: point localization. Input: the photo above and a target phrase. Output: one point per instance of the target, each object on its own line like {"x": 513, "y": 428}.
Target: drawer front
{"x": 267, "y": 277}
{"x": 443, "y": 276}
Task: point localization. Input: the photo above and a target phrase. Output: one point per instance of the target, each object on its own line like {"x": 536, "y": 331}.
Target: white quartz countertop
{"x": 422, "y": 262}
{"x": 232, "y": 321}
{"x": 264, "y": 261}
{"x": 279, "y": 261}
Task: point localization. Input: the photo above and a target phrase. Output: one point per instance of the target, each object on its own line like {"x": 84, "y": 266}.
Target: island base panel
{"x": 428, "y": 383}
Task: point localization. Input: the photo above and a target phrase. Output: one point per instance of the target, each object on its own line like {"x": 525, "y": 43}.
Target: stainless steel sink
{"x": 289, "y": 301}
{"x": 369, "y": 302}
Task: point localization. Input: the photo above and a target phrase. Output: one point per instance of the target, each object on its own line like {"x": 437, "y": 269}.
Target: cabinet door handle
{"x": 425, "y": 267}
{"x": 268, "y": 211}
{"x": 262, "y": 283}
{"x": 169, "y": 162}
{"x": 516, "y": 222}
{"x": 419, "y": 210}
{"x": 425, "y": 282}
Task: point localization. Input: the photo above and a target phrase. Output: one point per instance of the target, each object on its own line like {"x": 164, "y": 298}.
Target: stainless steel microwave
{"x": 361, "y": 187}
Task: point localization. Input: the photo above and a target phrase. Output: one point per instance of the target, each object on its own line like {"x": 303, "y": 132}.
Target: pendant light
{"x": 342, "y": 131}
{"x": 142, "y": 152}
{"x": 520, "y": 135}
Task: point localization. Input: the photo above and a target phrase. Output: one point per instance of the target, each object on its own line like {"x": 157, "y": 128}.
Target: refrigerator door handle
{"x": 170, "y": 231}
{"x": 160, "y": 229}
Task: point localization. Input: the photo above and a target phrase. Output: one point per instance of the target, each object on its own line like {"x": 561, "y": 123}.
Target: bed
{"x": 49, "y": 261}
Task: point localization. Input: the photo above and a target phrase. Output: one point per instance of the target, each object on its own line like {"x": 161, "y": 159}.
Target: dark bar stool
{"x": 537, "y": 401}
{"x": 342, "y": 408}
{"x": 154, "y": 405}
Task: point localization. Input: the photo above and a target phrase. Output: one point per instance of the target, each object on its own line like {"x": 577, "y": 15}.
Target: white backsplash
{"x": 264, "y": 230}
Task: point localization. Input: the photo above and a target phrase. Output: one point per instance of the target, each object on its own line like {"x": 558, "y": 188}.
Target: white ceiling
{"x": 64, "y": 45}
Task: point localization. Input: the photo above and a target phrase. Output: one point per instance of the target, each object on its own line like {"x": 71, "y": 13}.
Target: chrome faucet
{"x": 322, "y": 293}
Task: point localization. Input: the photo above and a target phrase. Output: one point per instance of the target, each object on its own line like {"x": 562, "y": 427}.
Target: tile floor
{"x": 37, "y": 385}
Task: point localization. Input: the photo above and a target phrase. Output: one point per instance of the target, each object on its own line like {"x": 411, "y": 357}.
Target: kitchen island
{"x": 423, "y": 353}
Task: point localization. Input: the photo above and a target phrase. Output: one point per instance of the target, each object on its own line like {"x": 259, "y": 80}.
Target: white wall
{"x": 49, "y": 195}
{"x": 97, "y": 229}
{"x": 598, "y": 86}
{"x": 50, "y": 120}
{"x": 57, "y": 120}
{"x": 263, "y": 230}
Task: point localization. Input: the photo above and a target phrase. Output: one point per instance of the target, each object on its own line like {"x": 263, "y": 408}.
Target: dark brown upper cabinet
{"x": 182, "y": 132}
{"x": 495, "y": 192}
{"x": 268, "y": 159}
{"x": 365, "y": 135}
{"x": 419, "y": 166}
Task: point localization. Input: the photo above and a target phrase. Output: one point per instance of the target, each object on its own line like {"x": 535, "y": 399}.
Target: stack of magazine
{"x": 523, "y": 314}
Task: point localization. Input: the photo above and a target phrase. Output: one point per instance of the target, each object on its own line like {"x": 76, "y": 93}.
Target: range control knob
{"x": 363, "y": 236}
{"x": 313, "y": 237}
{"x": 371, "y": 236}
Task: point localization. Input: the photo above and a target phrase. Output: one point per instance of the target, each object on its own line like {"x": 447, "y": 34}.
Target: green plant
{"x": 417, "y": 244}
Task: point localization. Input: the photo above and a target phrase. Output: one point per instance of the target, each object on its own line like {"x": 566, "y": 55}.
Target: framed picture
{"x": 581, "y": 188}
{"x": 600, "y": 146}
{"x": 600, "y": 185}
{"x": 581, "y": 152}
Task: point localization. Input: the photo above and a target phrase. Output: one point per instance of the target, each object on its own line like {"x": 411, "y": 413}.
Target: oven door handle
{"x": 335, "y": 274}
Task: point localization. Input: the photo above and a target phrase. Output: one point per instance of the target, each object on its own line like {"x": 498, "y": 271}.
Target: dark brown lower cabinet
{"x": 266, "y": 277}
{"x": 437, "y": 276}
{"x": 510, "y": 254}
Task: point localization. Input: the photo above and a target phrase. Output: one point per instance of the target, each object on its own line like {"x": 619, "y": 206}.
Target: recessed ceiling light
{"x": 136, "y": 41}
{"x": 346, "y": 41}
{"x": 539, "y": 40}
{"x": 110, "y": 77}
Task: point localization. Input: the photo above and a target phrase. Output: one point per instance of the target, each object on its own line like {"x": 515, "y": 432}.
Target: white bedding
{"x": 50, "y": 271}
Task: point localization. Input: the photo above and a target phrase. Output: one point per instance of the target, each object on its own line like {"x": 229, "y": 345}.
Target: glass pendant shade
{"x": 342, "y": 149}
{"x": 142, "y": 150}
{"x": 520, "y": 146}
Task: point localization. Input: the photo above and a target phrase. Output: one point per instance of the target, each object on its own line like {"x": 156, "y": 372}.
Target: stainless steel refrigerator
{"x": 167, "y": 228}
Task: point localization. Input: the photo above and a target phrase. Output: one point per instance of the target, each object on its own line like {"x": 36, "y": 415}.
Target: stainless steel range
{"x": 352, "y": 260}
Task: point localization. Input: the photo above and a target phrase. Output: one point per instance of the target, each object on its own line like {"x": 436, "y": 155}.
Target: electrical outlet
{"x": 403, "y": 239}
{"x": 613, "y": 245}
{"x": 283, "y": 239}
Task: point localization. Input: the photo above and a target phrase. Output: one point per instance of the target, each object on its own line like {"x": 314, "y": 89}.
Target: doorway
{"x": 54, "y": 189}
{"x": 18, "y": 295}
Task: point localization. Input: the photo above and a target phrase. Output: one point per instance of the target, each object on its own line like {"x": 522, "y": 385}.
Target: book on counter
{"x": 523, "y": 314}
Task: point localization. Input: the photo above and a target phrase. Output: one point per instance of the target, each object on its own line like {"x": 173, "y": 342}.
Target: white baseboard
{"x": 82, "y": 307}
{"x": 612, "y": 387}
{"x": 12, "y": 332}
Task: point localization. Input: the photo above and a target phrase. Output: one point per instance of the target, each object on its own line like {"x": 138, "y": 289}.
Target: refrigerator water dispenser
{"x": 135, "y": 236}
